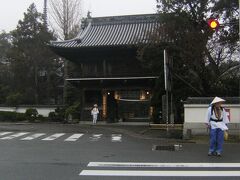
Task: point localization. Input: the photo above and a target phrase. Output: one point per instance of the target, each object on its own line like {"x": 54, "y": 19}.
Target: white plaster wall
{"x": 194, "y": 118}
{"x": 44, "y": 111}
{"x": 195, "y": 113}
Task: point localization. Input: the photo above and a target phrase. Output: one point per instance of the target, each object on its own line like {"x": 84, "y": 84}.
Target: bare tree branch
{"x": 65, "y": 16}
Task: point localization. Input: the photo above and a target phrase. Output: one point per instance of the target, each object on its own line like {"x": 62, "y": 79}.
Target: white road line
{"x": 116, "y": 138}
{"x": 33, "y": 136}
{"x": 178, "y": 165}
{"x": 95, "y": 137}
{"x": 53, "y": 137}
{"x": 160, "y": 173}
{"x": 74, "y": 137}
{"x": 15, "y": 135}
{"x": 4, "y": 133}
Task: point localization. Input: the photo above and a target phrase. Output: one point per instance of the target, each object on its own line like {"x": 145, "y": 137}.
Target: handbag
{"x": 225, "y": 135}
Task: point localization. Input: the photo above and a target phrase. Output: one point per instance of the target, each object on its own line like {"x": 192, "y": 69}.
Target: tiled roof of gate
{"x": 112, "y": 31}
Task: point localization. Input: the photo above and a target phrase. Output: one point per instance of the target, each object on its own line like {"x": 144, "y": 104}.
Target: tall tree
{"x": 199, "y": 53}
{"x": 205, "y": 50}
{"x": 203, "y": 59}
{"x": 5, "y": 75}
{"x": 31, "y": 59}
{"x": 65, "y": 19}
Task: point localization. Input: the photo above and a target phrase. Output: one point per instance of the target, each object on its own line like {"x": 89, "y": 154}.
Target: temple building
{"x": 107, "y": 71}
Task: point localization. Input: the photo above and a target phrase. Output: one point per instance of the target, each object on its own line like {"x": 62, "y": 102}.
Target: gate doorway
{"x": 134, "y": 110}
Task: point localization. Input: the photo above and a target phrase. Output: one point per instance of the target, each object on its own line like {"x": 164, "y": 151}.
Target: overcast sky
{"x": 11, "y": 11}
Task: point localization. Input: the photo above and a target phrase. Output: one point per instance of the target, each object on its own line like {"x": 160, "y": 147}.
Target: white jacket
{"x": 94, "y": 111}
{"x": 211, "y": 115}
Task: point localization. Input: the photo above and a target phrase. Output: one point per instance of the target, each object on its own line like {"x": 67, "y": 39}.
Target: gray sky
{"x": 11, "y": 11}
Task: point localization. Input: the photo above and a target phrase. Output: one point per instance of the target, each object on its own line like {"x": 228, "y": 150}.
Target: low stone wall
{"x": 44, "y": 110}
{"x": 194, "y": 119}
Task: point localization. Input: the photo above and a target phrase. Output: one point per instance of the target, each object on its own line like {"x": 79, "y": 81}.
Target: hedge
{"x": 12, "y": 116}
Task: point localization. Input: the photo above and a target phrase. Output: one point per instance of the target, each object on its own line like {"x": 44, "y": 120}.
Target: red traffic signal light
{"x": 213, "y": 23}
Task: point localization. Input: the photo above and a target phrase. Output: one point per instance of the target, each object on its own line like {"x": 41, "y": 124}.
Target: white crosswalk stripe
{"x": 181, "y": 172}
{"x": 160, "y": 173}
{"x": 4, "y": 133}
{"x": 116, "y": 138}
{"x": 33, "y": 136}
{"x": 53, "y": 137}
{"x": 74, "y": 137}
{"x": 163, "y": 165}
{"x": 15, "y": 135}
{"x": 70, "y": 138}
{"x": 95, "y": 137}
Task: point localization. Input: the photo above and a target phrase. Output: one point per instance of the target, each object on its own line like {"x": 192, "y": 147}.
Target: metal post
{"x": 239, "y": 70}
{"x": 239, "y": 18}
{"x": 166, "y": 85}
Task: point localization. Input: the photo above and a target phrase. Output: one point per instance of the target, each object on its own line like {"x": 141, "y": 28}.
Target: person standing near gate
{"x": 94, "y": 113}
{"x": 216, "y": 121}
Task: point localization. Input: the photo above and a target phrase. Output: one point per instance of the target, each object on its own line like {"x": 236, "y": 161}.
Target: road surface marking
{"x": 95, "y": 137}
{"x": 74, "y": 137}
{"x": 116, "y": 138}
{"x": 178, "y": 165}
{"x": 160, "y": 173}
{"x": 4, "y": 133}
{"x": 33, "y": 136}
{"x": 15, "y": 135}
{"x": 53, "y": 137}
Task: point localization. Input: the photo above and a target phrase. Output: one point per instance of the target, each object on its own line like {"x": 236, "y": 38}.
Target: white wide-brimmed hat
{"x": 217, "y": 99}
{"x": 95, "y": 105}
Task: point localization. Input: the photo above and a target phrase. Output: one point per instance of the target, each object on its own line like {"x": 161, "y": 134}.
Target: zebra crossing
{"x": 136, "y": 169}
{"x": 66, "y": 137}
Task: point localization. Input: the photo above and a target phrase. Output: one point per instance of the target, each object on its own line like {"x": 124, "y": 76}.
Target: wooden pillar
{"x": 82, "y": 91}
{"x": 104, "y": 105}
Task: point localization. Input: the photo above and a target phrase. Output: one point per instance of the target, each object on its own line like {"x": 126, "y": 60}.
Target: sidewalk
{"x": 145, "y": 130}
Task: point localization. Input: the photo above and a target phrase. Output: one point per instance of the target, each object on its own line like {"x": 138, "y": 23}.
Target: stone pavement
{"x": 142, "y": 130}
{"x": 146, "y": 130}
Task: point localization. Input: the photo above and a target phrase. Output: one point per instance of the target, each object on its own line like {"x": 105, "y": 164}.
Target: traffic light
{"x": 213, "y": 23}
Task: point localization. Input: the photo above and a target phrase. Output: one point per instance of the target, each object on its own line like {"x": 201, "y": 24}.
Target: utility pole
{"x": 45, "y": 13}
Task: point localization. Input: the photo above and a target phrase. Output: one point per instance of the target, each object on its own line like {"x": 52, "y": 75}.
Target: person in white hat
{"x": 94, "y": 113}
{"x": 216, "y": 120}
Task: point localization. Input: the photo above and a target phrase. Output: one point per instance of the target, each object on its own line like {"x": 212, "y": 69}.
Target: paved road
{"x": 68, "y": 152}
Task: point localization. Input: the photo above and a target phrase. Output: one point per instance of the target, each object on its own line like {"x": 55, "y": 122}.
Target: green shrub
{"x": 57, "y": 116}
{"x": 20, "y": 117}
{"x": 60, "y": 113}
{"x": 31, "y": 114}
{"x": 41, "y": 118}
{"x": 52, "y": 116}
{"x": 73, "y": 110}
{"x": 12, "y": 116}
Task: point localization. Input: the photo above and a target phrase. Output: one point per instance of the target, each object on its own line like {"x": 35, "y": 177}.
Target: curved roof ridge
{"x": 124, "y": 19}
{"x": 113, "y": 31}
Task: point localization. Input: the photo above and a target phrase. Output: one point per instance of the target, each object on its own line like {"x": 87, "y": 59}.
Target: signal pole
{"x": 239, "y": 61}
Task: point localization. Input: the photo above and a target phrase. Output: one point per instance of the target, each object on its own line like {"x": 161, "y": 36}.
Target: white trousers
{"x": 94, "y": 118}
